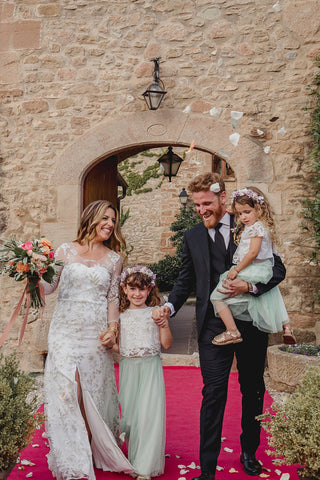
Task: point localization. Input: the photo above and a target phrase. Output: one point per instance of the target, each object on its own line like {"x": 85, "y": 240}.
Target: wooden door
{"x": 101, "y": 182}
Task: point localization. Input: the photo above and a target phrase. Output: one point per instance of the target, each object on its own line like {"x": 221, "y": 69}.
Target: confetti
{"x": 285, "y": 476}
{"x": 27, "y": 463}
{"x": 228, "y": 450}
{"x": 264, "y": 475}
{"x": 278, "y": 472}
{"x": 29, "y": 475}
{"x": 192, "y": 465}
{"x": 234, "y": 138}
{"x": 219, "y": 468}
{"x": 44, "y": 435}
{"x": 35, "y": 445}
{"x": 181, "y": 466}
{"x": 178, "y": 456}
{"x": 236, "y": 115}
{"x": 122, "y": 436}
{"x": 167, "y": 455}
{"x": 233, "y": 470}
{"x": 192, "y": 144}
{"x": 183, "y": 471}
{"x": 182, "y": 478}
{"x": 214, "y": 111}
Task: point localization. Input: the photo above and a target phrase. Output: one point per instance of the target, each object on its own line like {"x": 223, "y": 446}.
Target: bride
{"x": 82, "y": 413}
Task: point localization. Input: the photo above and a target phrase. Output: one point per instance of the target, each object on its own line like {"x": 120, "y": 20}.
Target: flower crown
{"x": 248, "y": 193}
{"x": 138, "y": 269}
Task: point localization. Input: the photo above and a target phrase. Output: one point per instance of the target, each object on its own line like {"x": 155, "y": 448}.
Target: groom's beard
{"x": 214, "y": 218}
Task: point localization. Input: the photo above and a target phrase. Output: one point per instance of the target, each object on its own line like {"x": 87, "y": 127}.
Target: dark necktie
{"x": 219, "y": 240}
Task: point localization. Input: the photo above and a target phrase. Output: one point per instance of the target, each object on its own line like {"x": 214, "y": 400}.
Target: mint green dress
{"x": 267, "y": 312}
{"x": 142, "y": 392}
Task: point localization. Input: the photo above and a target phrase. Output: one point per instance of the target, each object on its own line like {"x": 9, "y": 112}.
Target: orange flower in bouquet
{"x": 32, "y": 260}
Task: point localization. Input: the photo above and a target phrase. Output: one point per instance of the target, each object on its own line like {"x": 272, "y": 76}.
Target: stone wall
{"x": 71, "y": 77}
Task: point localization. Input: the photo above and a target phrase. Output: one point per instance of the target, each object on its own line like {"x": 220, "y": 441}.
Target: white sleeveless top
{"x": 139, "y": 335}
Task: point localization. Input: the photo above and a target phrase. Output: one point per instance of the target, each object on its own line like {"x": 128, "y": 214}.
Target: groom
{"x": 207, "y": 252}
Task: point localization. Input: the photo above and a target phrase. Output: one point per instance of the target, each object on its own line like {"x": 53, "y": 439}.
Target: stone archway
{"x": 140, "y": 131}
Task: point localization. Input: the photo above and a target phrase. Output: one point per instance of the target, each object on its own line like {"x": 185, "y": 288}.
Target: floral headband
{"x": 248, "y": 193}
{"x": 138, "y": 269}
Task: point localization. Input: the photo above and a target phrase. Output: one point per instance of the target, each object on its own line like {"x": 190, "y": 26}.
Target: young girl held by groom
{"x": 253, "y": 262}
{"x": 141, "y": 383}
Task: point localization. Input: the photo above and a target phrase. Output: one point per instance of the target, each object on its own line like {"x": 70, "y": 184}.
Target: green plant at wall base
{"x": 167, "y": 269}
{"x": 312, "y": 205}
{"x": 18, "y": 416}
{"x": 302, "y": 349}
{"x": 294, "y": 425}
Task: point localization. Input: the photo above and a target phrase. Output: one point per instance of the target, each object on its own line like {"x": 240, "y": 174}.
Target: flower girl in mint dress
{"x": 141, "y": 383}
{"x": 253, "y": 262}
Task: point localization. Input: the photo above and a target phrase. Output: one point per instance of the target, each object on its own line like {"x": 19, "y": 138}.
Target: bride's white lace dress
{"x": 88, "y": 299}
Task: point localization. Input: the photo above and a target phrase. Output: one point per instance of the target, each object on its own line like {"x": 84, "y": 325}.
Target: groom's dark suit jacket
{"x": 196, "y": 272}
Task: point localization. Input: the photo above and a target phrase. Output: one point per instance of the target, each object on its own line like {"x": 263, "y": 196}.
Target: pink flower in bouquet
{"x": 51, "y": 255}
{"x": 27, "y": 246}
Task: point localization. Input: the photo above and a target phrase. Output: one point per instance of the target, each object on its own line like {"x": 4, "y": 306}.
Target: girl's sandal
{"x": 227, "y": 337}
{"x": 288, "y": 337}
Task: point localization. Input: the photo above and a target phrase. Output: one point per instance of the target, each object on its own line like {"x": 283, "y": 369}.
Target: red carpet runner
{"x": 183, "y": 389}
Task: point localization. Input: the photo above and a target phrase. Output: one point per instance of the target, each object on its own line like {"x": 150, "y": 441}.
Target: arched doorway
{"x": 140, "y": 131}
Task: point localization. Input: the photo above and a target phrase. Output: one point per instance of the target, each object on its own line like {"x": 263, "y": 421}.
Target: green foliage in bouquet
{"x": 294, "y": 427}
{"x": 18, "y": 416}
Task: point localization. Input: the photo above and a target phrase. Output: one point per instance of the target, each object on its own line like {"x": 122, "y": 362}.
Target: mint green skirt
{"x": 267, "y": 312}
{"x": 143, "y": 413}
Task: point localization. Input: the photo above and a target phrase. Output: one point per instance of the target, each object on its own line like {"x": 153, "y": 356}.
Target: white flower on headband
{"x": 138, "y": 269}
{"x": 215, "y": 187}
{"x": 248, "y": 193}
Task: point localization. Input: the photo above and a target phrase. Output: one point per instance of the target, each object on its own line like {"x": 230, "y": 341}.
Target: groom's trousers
{"x": 216, "y": 362}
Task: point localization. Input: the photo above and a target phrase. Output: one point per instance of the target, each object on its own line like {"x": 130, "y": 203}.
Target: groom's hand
{"x": 235, "y": 287}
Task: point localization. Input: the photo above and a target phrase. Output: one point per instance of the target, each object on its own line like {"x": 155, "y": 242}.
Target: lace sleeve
{"x": 113, "y": 293}
{"x": 256, "y": 230}
{"x": 49, "y": 288}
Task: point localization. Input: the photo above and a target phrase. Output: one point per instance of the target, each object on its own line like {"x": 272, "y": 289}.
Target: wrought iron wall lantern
{"x": 156, "y": 91}
{"x": 183, "y": 197}
{"x": 170, "y": 163}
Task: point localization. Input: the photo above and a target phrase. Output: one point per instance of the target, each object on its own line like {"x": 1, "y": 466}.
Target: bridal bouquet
{"x": 32, "y": 260}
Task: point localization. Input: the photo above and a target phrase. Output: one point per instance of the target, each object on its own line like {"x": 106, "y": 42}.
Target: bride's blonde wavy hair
{"x": 90, "y": 218}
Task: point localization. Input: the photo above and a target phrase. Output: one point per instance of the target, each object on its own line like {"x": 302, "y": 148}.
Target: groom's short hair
{"x": 204, "y": 181}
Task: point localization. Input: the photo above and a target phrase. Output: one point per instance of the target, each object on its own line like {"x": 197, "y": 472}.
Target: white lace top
{"x": 266, "y": 249}
{"x": 95, "y": 281}
{"x": 139, "y": 335}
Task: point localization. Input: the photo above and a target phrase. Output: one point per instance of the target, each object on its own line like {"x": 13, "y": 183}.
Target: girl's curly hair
{"x": 264, "y": 213}
{"x": 139, "y": 280}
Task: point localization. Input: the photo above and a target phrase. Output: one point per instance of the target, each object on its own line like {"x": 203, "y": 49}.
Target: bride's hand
{"x": 108, "y": 338}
